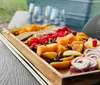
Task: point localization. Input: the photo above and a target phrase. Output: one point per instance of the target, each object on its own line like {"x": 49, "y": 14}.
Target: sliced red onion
{"x": 93, "y": 64}
{"x": 95, "y": 57}
{"x": 73, "y": 69}
{"x": 98, "y": 49}
{"x": 81, "y": 63}
{"x": 93, "y": 54}
{"x": 88, "y": 50}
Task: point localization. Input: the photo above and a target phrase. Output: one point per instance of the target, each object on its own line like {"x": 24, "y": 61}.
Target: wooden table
{"x": 12, "y": 72}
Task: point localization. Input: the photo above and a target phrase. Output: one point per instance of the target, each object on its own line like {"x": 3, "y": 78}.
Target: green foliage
{"x": 8, "y": 8}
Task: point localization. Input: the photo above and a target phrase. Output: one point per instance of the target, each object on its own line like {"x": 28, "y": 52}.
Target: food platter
{"x": 56, "y": 76}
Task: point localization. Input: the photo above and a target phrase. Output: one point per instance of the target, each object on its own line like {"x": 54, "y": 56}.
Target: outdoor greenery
{"x": 8, "y": 8}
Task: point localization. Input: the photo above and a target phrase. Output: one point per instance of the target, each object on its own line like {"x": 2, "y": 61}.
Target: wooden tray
{"x": 57, "y": 77}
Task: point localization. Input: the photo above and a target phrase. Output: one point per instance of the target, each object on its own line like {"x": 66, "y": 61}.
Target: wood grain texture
{"x": 12, "y": 72}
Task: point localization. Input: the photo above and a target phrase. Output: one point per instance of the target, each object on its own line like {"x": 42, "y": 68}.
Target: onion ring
{"x": 93, "y": 64}
{"x": 81, "y": 63}
{"x": 88, "y": 50}
{"x": 93, "y": 53}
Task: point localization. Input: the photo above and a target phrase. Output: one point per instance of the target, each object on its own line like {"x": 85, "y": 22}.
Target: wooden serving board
{"x": 57, "y": 77}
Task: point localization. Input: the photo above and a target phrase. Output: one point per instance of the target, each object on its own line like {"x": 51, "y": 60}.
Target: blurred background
{"x": 8, "y": 8}
{"x": 77, "y": 12}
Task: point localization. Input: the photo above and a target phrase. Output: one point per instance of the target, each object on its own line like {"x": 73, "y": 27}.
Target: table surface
{"x": 12, "y": 72}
